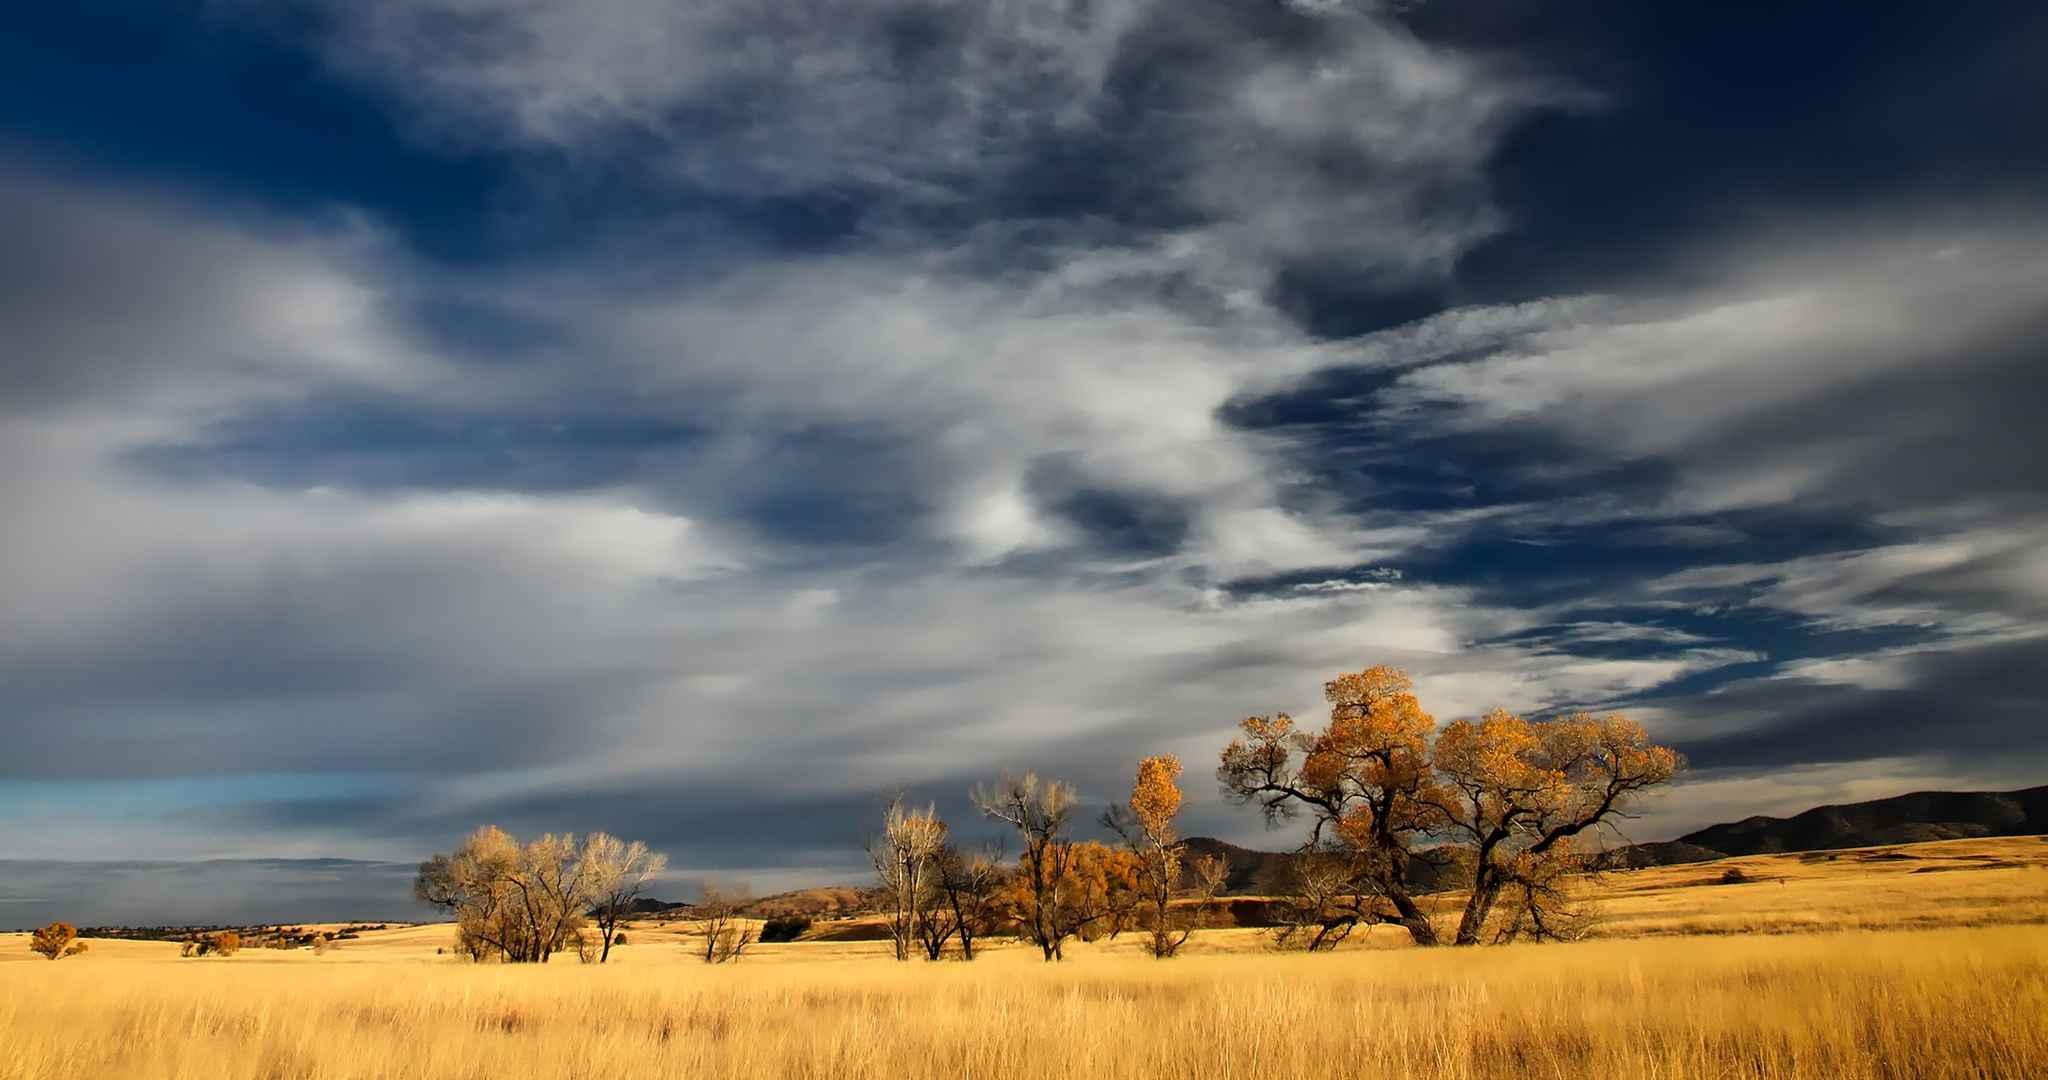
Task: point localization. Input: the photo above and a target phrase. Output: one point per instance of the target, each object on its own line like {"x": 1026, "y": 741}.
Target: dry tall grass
{"x": 1934, "y": 1003}
{"x": 1866, "y": 1003}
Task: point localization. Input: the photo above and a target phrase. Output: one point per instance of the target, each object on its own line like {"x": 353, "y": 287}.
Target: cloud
{"x": 1253, "y": 133}
{"x": 123, "y": 304}
{"x": 1879, "y": 369}
{"x": 844, "y": 396}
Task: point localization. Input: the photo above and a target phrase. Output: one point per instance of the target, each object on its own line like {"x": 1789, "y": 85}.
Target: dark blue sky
{"x": 695, "y": 421}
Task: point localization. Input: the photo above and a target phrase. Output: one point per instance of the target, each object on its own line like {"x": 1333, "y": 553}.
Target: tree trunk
{"x": 1485, "y": 890}
{"x": 1420, "y": 929}
{"x": 960, "y": 922}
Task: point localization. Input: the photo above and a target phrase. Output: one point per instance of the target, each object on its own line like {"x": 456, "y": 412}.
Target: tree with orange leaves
{"x": 1145, "y": 823}
{"x": 1518, "y": 793}
{"x": 1364, "y": 780}
{"x": 1062, "y": 888}
{"x": 1511, "y": 795}
{"x": 56, "y": 941}
{"x": 1104, "y": 887}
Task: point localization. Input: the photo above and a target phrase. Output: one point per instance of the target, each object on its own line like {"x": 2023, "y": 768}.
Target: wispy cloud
{"x": 828, "y": 397}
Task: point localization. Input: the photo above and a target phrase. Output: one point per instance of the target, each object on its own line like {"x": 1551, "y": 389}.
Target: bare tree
{"x": 937, "y": 924}
{"x": 970, "y": 896}
{"x": 902, "y": 857}
{"x": 1054, "y": 902}
{"x": 1324, "y": 898}
{"x": 619, "y": 873}
{"x": 521, "y": 904}
{"x": 475, "y": 884}
{"x": 556, "y": 892}
{"x": 724, "y": 934}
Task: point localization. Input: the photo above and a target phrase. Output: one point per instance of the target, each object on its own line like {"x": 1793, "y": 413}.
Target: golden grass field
{"x": 1928, "y": 960}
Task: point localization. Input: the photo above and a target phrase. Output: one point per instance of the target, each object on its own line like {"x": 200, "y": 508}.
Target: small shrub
{"x": 618, "y": 939}
{"x": 222, "y": 943}
{"x": 53, "y": 941}
{"x": 1734, "y": 876}
{"x": 785, "y": 928}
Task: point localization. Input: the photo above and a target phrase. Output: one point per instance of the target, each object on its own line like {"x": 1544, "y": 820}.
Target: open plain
{"x": 1919, "y": 960}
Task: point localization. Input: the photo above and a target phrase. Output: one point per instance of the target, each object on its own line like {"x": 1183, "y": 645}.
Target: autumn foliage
{"x": 1157, "y": 858}
{"x": 1063, "y": 888}
{"x": 219, "y": 943}
{"x": 56, "y": 941}
{"x": 1504, "y": 799}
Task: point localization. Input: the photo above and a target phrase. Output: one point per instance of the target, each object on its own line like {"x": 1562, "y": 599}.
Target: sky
{"x": 697, "y": 421}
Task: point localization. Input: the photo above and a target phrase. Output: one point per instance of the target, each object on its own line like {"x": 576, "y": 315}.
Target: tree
{"x": 902, "y": 858}
{"x": 554, "y": 883}
{"x": 969, "y": 904}
{"x": 1040, "y": 811}
{"x": 56, "y": 941}
{"x": 1323, "y": 900}
{"x": 1101, "y": 894}
{"x": 1506, "y": 796}
{"x": 1518, "y": 793}
{"x": 519, "y": 903}
{"x": 618, "y": 875}
{"x": 1362, "y": 780}
{"x": 936, "y": 925}
{"x": 724, "y": 934}
{"x": 1546, "y": 898}
{"x": 1145, "y": 823}
{"x": 218, "y": 943}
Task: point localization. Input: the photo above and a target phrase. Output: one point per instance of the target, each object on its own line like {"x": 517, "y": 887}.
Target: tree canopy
{"x": 1384, "y": 789}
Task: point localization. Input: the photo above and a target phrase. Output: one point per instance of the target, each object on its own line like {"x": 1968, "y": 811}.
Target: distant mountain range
{"x": 1901, "y": 819}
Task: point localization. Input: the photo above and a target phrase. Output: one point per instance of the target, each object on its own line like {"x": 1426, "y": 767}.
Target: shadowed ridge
{"x": 1902, "y": 819}
{"x": 1247, "y": 871}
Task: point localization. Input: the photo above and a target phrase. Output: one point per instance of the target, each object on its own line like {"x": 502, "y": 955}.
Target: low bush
{"x": 785, "y": 928}
{"x": 59, "y": 939}
{"x": 223, "y": 943}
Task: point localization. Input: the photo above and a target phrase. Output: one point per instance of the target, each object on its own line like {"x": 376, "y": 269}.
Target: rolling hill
{"x": 1901, "y": 819}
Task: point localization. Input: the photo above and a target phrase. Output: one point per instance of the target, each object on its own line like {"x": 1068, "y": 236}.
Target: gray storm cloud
{"x": 713, "y": 544}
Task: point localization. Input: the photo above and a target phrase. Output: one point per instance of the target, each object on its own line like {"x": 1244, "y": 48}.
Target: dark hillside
{"x": 1901, "y": 819}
